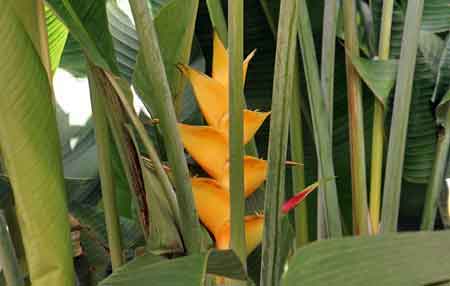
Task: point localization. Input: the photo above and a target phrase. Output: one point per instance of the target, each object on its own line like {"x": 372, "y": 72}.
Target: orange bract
{"x": 209, "y": 147}
{"x": 254, "y": 226}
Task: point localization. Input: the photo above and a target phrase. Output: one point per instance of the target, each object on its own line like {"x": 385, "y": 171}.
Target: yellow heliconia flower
{"x": 212, "y": 203}
{"x": 220, "y": 62}
{"x": 254, "y": 226}
{"x": 209, "y": 147}
{"x": 255, "y": 171}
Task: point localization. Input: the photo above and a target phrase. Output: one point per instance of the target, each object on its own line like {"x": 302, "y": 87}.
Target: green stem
{"x": 8, "y": 258}
{"x": 103, "y": 142}
{"x": 400, "y": 117}
{"x": 320, "y": 121}
{"x": 297, "y": 155}
{"x": 378, "y": 131}
{"x": 437, "y": 178}
{"x": 376, "y": 166}
{"x": 356, "y": 123}
{"x": 327, "y": 79}
{"x": 279, "y": 130}
{"x": 164, "y": 109}
{"x": 328, "y": 56}
{"x": 385, "y": 32}
{"x": 236, "y": 133}
{"x": 218, "y": 19}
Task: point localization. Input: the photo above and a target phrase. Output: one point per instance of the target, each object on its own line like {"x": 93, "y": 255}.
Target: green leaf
{"x": 399, "y": 127}
{"x": 389, "y": 260}
{"x": 431, "y": 47}
{"x": 187, "y": 271}
{"x": 87, "y": 23}
{"x": 437, "y": 178}
{"x": 378, "y": 75}
{"x": 321, "y": 128}
{"x": 159, "y": 94}
{"x": 175, "y": 43}
{"x": 436, "y": 16}
{"x": 421, "y": 139}
{"x": 279, "y": 130}
{"x": 57, "y": 35}
{"x": 31, "y": 150}
{"x": 218, "y": 19}
{"x": 443, "y": 76}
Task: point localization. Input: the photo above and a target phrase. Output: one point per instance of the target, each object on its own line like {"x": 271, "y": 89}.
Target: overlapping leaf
{"x": 187, "y": 271}
{"x": 30, "y": 147}
{"x": 395, "y": 259}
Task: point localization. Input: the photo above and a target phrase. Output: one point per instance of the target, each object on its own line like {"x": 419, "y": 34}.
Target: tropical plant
{"x": 200, "y": 189}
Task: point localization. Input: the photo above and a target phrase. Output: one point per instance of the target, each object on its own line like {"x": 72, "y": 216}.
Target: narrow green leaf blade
{"x": 399, "y": 127}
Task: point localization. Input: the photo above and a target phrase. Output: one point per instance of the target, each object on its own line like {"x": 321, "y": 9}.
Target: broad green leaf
{"x": 431, "y": 47}
{"x": 443, "y": 76}
{"x": 436, "y": 16}
{"x": 72, "y": 59}
{"x": 187, "y": 271}
{"x": 87, "y": 23}
{"x": 57, "y": 35}
{"x": 378, "y": 75}
{"x": 420, "y": 258}
{"x": 30, "y": 147}
{"x": 421, "y": 143}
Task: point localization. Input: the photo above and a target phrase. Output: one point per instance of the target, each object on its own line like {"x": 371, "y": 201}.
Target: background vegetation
{"x": 359, "y": 98}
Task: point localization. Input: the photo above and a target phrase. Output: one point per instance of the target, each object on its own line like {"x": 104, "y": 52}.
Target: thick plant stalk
{"x": 8, "y": 259}
{"x": 236, "y": 132}
{"x": 376, "y": 167}
{"x": 320, "y": 121}
{"x": 356, "y": 124}
{"x": 103, "y": 142}
{"x": 327, "y": 80}
{"x": 279, "y": 129}
{"x": 164, "y": 110}
{"x": 400, "y": 117}
{"x": 297, "y": 155}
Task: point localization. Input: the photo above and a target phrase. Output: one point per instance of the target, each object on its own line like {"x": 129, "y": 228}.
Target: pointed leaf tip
{"x": 298, "y": 198}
